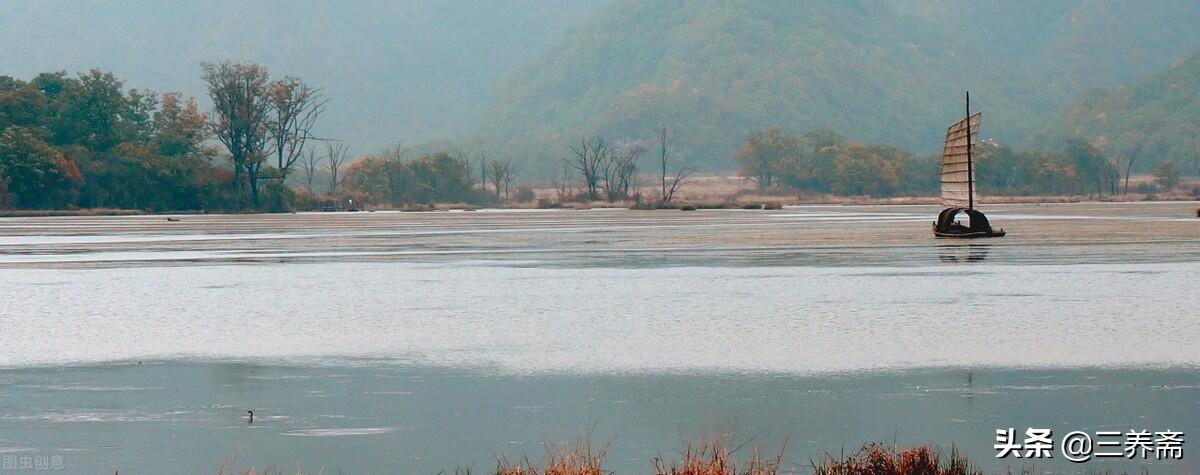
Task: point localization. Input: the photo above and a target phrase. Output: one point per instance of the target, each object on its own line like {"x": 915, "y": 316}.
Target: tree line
{"x": 823, "y": 161}
{"x": 85, "y": 141}
{"x": 88, "y": 142}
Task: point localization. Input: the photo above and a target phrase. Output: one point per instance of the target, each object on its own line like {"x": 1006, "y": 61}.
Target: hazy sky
{"x": 394, "y": 70}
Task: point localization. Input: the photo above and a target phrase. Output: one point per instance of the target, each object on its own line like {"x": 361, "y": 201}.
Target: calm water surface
{"x": 413, "y": 343}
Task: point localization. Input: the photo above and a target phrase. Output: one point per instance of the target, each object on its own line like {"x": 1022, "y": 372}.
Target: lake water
{"x": 419, "y": 342}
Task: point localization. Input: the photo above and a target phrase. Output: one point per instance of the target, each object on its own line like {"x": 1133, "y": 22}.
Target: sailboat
{"x": 958, "y": 182}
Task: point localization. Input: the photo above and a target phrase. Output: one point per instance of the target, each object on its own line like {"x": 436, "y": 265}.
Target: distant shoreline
{"x": 758, "y": 202}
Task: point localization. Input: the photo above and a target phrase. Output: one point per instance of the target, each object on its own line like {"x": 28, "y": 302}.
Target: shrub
{"x": 1145, "y": 189}
{"x": 525, "y": 194}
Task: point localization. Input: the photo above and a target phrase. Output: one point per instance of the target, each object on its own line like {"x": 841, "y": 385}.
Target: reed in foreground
{"x": 875, "y": 459}
{"x": 714, "y": 457}
{"x": 579, "y": 459}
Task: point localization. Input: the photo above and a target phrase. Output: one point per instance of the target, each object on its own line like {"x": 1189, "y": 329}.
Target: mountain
{"x": 890, "y": 72}
{"x": 394, "y": 69}
{"x": 1152, "y": 119}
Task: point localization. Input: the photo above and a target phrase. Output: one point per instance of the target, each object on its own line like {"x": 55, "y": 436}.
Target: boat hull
{"x": 968, "y": 234}
{"x": 946, "y": 225}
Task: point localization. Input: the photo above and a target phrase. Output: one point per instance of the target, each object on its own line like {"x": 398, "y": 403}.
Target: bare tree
{"x": 240, "y": 116}
{"x": 1111, "y": 175}
{"x": 483, "y": 176}
{"x": 335, "y": 157}
{"x": 1196, "y": 154}
{"x": 500, "y": 172}
{"x": 309, "y": 166}
{"x": 618, "y": 168}
{"x": 681, "y": 174}
{"x": 588, "y": 158}
{"x": 293, "y": 111}
{"x": 508, "y": 175}
{"x": 563, "y": 187}
{"x": 1130, "y": 158}
{"x": 395, "y": 172}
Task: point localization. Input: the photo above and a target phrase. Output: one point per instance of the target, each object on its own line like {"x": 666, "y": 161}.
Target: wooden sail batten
{"x": 960, "y": 166}
{"x": 958, "y": 180}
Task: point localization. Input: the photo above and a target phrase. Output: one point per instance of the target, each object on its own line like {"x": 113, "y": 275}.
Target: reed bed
{"x": 716, "y": 456}
{"x": 876, "y": 459}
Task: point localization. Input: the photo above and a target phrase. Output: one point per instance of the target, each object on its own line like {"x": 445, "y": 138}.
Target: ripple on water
{"x": 343, "y": 432}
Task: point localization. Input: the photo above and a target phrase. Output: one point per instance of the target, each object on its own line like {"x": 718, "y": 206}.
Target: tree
{"x": 563, "y": 187}
{"x": 441, "y": 177}
{"x": 508, "y": 174}
{"x": 1166, "y": 175}
{"x": 309, "y": 166}
{"x": 32, "y": 173}
{"x": 367, "y": 178}
{"x": 587, "y": 159}
{"x": 336, "y": 154}
{"x": 497, "y": 175}
{"x": 94, "y": 112}
{"x": 502, "y": 176}
{"x": 483, "y": 176}
{"x": 867, "y": 170}
{"x": 814, "y": 165}
{"x": 1129, "y": 160}
{"x": 241, "y": 115}
{"x": 669, "y": 187}
{"x": 116, "y": 148}
{"x": 763, "y": 156}
{"x": 293, "y": 108}
{"x": 1196, "y": 154}
{"x": 1091, "y": 167}
{"x": 180, "y": 129}
{"x": 396, "y": 173}
{"x": 618, "y": 169}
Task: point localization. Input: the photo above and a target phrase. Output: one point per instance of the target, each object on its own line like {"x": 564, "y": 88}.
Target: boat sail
{"x": 958, "y": 181}
{"x": 958, "y": 172}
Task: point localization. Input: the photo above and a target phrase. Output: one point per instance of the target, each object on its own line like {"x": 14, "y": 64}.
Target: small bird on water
{"x": 250, "y": 414}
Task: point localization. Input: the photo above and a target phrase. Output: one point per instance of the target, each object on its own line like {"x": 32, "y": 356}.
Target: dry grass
{"x": 875, "y": 459}
{"x": 715, "y": 191}
{"x": 579, "y": 459}
{"x": 225, "y": 469}
{"x": 714, "y": 457}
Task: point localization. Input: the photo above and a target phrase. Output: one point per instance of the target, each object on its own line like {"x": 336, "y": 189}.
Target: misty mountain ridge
{"x": 525, "y": 78}
{"x": 882, "y": 72}
{"x": 1152, "y": 119}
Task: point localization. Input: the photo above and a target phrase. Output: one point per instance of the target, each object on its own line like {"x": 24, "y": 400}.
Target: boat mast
{"x": 970, "y": 172}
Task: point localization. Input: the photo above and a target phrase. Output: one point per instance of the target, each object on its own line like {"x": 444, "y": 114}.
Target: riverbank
{"x": 708, "y": 192}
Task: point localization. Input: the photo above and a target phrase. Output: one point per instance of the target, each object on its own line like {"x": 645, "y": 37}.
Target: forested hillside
{"x": 881, "y": 72}
{"x": 1153, "y": 119}
{"x": 395, "y": 70}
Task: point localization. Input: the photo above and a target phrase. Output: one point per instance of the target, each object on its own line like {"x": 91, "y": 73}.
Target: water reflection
{"x": 963, "y": 253}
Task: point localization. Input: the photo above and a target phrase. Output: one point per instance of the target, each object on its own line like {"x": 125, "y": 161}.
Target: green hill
{"x": 1153, "y": 119}
{"x": 889, "y": 72}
